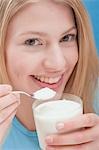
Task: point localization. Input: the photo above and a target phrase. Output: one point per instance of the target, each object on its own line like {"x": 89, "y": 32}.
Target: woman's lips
{"x": 43, "y": 84}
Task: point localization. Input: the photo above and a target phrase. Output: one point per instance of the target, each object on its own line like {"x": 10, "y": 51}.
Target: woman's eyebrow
{"x": 33, "y": 32}
{"x": 70, "y": 29}
{"x": 43, "y": 33}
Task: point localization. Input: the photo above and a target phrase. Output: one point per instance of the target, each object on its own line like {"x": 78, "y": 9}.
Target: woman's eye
{"x": 33, "y": 42}
{"x": 68, "y": 38}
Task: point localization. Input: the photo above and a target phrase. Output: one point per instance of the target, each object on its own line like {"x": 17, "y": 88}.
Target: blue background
{"x": 92, "y": 7}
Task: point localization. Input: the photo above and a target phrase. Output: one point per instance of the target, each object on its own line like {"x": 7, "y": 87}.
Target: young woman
{"x": 46, "y": 43}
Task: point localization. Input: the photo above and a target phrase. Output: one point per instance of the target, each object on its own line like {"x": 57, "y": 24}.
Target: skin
{"x": 58, "y": 54}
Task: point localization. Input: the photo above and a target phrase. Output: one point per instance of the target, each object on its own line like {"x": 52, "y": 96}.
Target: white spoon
{"x": 42, "y": 94}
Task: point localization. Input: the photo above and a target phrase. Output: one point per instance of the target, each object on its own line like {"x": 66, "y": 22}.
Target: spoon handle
{"x": 22, "y": 92}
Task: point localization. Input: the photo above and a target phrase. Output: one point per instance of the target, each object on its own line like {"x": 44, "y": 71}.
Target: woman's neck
{"x": 25, "y": 114}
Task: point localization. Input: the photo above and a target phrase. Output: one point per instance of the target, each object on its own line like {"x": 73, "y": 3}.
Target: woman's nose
{"x": 55, "y": 60}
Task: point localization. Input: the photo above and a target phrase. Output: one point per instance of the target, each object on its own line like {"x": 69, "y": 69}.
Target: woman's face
{"x": 41, "y": 47}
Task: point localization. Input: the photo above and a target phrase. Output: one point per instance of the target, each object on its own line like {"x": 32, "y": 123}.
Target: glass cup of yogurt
{"x": 48, "y": 113}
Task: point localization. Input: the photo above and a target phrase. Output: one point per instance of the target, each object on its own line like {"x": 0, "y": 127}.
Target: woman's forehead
{"x": 39, "y": 16}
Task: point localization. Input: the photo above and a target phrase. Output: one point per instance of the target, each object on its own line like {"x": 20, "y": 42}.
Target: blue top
{"x": 19, "y": 138}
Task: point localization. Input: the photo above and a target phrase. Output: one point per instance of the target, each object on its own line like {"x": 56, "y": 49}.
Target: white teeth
{"x": 52, "y": 80}
{"x": 47, "y": 79}
{"x": 36, "y": 76}
{"x": 42, "y": 79}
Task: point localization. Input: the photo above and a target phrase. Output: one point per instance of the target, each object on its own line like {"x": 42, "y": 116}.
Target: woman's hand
{"x": 80, "y": 133}
{"x": 8, "y": 105}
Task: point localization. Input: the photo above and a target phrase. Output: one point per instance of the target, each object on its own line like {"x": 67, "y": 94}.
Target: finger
{"x": 5, "y": 127}
{"x": 85, "y": 120}
{"x": 5, "y": 113}
{"x": 8, "y": 100}
{"x": 5, "y": 89}
{"x": 80, "y": 137}
{"x": 86, "y": 146}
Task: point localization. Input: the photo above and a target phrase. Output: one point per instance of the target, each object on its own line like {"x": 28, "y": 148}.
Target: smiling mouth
{"x": 48, "y": 80}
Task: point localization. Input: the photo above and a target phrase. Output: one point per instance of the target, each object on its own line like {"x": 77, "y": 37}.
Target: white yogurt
{"x": 47, "y": 114}
{"x": 44, "y": 94}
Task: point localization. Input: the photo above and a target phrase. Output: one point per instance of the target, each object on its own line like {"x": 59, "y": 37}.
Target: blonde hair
{"x": 83, "y": 80}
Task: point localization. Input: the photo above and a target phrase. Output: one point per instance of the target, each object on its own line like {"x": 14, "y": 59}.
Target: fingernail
{"x": 49, "y": 140}
{"x": 60, "y": 126}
